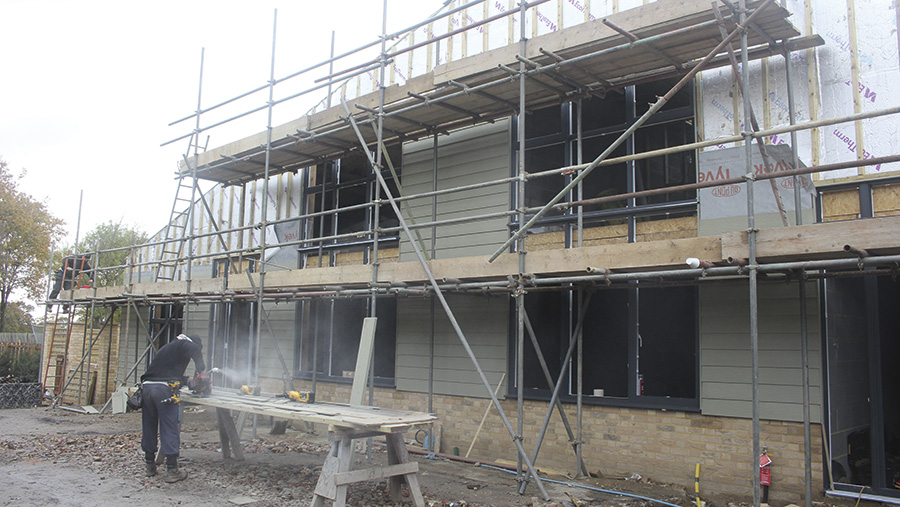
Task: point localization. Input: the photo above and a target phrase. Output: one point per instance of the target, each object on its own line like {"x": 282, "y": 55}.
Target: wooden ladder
{"x": 59, "y": 332}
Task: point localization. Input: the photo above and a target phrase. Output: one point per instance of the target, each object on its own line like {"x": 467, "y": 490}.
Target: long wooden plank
{"x": 818, "y": 241}
{"x": 371, "y": 474}
{"x": 827, "y": 240}
{"x": 232, "y": 434}
{"x": 878, "y": 236}
{"x": 363, "y": 360}
{"x": 666, "y": 253}
{"x": 335, "y": 415}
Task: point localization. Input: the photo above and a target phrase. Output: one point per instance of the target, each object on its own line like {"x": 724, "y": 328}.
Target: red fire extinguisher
{"x": 765, "y": 474}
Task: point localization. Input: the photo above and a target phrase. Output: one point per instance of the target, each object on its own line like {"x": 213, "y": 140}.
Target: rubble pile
{"x": 277, "y": 470}
{"x": 265, "y": 483}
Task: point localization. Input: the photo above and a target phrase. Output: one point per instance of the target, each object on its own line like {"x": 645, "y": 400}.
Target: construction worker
{"x": 72, "y": 267}
{"x": 161, "y": 411}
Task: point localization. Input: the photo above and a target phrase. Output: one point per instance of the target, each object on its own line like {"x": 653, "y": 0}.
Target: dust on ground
{"x": 58, "y": 457}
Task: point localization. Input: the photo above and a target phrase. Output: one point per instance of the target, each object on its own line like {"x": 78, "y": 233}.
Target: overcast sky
{"x": 88, "y": 88}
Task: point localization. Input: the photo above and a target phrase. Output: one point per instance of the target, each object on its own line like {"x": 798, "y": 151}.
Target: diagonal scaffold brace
{"x": 631, "y": 129}
{"x": 439, "y": 294}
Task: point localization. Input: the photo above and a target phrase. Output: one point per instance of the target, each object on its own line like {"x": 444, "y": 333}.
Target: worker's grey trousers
{"x": 160, "y": 419}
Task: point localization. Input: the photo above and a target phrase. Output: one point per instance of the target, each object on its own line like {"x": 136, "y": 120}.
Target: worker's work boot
{"x": 175, "y": 475}
{"x": 149, "y": 468}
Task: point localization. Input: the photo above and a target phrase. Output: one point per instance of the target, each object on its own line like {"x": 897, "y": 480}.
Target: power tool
{"x": 200, "y": 384}
{"x": 251, "y": 390}
{"x": 176, "y": 389}
{"x": 300, "y": 396}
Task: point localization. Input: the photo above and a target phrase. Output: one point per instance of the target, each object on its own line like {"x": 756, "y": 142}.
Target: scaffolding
{"x": 499, "y": 83}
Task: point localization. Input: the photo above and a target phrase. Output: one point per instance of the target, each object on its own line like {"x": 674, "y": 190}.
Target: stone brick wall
{"x": 664, "y": 446}
{"x": 97, "y": 373}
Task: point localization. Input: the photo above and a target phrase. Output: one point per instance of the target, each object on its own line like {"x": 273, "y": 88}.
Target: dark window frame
{"x": 627, "y": 340}
{"x": 337, "y": 189}
{"x": 166, "y": 322}
{"x": 677, "y": 111}
{"x": 318, "y": 318}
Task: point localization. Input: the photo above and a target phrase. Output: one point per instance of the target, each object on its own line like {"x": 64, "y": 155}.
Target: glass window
{"x": 640, "y": 345}
{"x": 665, "y": 170}
{"x": 166, "y": 322}
{"x": 667, "y": 342}
{"x": 540, "y": 191}
{"x": 604, "y": 181}
{"x": 599, "y": 113}
{"x": 346, "y": 183}
{"x": 606, "y": 343}
{"x": 648, "y": 93}
{"x": 545, "y": 311}
{"x": 329, "y": 332}
{"x": 545, "y": 122}
{"x": 604, "y": 120}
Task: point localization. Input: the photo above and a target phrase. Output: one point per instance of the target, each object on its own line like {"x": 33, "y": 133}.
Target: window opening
{"x": 166, "y": 322}
{"x": 604, "y": 120}
{"x": 640, "y": 346}
{"x": 231, "y": 346}
{"x": 329, "y": 332}
{"x": 347, "y": 183}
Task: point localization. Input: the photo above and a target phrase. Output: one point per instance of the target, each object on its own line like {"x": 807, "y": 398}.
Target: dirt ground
{"x": 57, "y": 457}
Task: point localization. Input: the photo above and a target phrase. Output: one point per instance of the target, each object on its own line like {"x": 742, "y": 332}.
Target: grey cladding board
{"x": 483, "y": 320}
{"x": 198, "y": 323}
{"x": 725, "y": 360}
{"x": 281, "y": 339}
{"x": 133, "y": 340}
{"x": 468, "y": 156}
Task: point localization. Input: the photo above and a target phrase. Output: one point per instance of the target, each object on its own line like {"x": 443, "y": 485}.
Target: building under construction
{"x": 639, "y": 236}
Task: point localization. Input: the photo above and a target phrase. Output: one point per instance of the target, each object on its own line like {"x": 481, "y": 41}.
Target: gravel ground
{"x": 57, "y": 457}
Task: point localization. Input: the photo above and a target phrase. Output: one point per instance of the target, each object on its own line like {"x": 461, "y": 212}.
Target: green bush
{"x": 26, "y": 368}
{"x": 6, "y": 362}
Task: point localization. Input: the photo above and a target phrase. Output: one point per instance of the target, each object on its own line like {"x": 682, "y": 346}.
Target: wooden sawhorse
{"x": 336, "y": 475}
{"x": 228, "y": 435}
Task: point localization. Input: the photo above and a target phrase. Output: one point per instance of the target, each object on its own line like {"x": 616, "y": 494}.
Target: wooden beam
{"x": 363, "y": 361}
{"x": 818, "y": 241}
{"x": 339, "y": 416}
{"x": 228, "y": 434}
{"x": 880, "y": 235}
{"x": 653, "y": 254}
{"x": 371, "y": 474}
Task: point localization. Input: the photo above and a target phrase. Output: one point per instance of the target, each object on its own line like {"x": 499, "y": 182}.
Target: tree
{"x": 109, "y": 246}
{"x": 116, "y": 237}
{"x": 26, "y": 231}
{"x": 18, "y": 317}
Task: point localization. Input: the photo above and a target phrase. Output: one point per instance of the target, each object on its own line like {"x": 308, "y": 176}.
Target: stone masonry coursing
{"x": 663, "y": 446}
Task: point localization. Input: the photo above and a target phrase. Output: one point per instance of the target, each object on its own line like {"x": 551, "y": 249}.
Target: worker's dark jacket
{"x": 64, "y": 277}
{"x": 159, "y": 417}
{"x": 171, "y": 361}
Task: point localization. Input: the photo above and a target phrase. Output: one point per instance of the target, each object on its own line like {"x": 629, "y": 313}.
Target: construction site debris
{"x": 45, "y": 444}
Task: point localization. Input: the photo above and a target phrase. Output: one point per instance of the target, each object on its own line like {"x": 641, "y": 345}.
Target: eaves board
{"x": 475, "y": 90}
